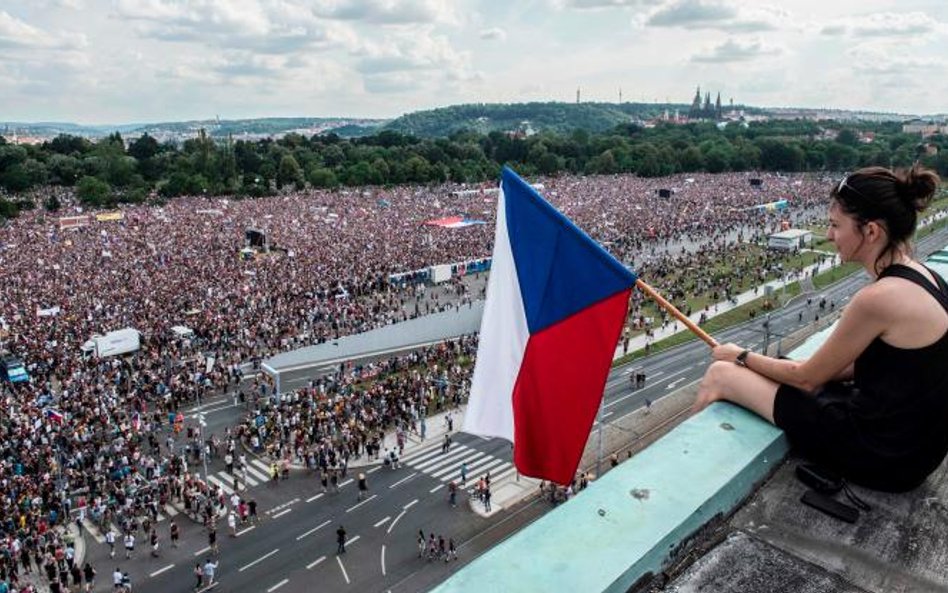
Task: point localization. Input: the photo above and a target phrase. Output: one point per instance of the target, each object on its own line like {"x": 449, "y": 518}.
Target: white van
{"x": 120, "y": 341}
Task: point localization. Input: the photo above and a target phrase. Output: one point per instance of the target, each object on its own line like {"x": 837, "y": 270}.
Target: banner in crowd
{"x": 109, "y": 216}
{"x": 771, "y": 206}
{"x": 453, "y": 222}
{"x": 556, "y": 303}
{"x": 73, "y": 222}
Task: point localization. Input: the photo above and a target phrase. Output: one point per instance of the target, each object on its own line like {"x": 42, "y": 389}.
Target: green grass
{"x": 794, "y": 261}
{"x": 830, "y": 276}
{"x": 717, "y": 323}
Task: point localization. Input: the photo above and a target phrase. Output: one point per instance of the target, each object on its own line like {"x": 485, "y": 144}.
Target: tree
{"x": 144, "y": 147}
{"x": 10, "y": 155}
{"x": 176, "y": 185}
{"x": 847, "y": 137}
{"x": 840, "y": 157}
{"x": 776, "y": 155}
{"x": 68, "y": 145}
{"x": 717, "y": 159}
{"x": 691, "y": 159}
{"x": 289, "y": 172}
{"x": 417, "y": 169}
{"x": 63, "y": 169}
{"x": 321, "y": 177}
{"x": 93, "y": 191}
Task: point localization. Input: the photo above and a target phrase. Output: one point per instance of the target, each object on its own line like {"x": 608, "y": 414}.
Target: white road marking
{"x": 312, "y": 498}
{"x": 343, "y": 569}
{"x": 161, "y": 570}
{"x": 258, "y": 560}
{"x": 346, "y": 483}
{"x": 383, "y": 560}
{"x": 417, "y": 457}
{"x": 403, "y": 480}
{"x": 433, "y": 464}
{"x": 456, "y": 466}
{"x": 349, "y": 542}
{"x": 374, "y": 469}
{"x": 436, "y": 488}
{"x": 315, "y": 562}
{"x": 382, "y": 522}
{"x": 243, "y": 531}
{"x": 313, "y": 530}
{"x": 411, "y": 504}
{"x": 203, "y": 551}
{"x": 281, "y": 513}
{"x": 392, "y": 526}
{"x": 278, "y": 585}
{"x": 354, "y": 507}
{"x": 676, "y": 382}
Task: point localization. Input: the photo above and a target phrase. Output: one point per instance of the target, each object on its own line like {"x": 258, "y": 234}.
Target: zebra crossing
{"x": 255, "y": 473}
{"x": 166, "y": 511}
{"x": 447, "y": 466}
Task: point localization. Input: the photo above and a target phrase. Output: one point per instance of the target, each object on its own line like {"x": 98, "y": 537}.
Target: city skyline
{"x": 122, "y": 61}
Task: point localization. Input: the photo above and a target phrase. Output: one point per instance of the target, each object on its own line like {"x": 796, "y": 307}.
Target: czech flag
{"x": 556, "y": 304}
{"x": 54, "y": 415}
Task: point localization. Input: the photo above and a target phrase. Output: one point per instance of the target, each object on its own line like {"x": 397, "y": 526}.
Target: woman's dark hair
{"x": 892, "y": 198}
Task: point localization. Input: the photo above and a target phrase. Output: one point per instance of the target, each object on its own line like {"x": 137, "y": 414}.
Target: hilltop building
{"x": 924, "y": 127}
{"x": 705, "y": 109}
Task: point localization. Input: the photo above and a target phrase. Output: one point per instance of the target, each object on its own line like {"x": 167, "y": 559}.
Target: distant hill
{"x": 558, "y": 117}
{"x": 238, "y": 128}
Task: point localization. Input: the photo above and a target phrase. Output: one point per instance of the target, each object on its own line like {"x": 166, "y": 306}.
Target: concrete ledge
{"x": 628, "y": 523}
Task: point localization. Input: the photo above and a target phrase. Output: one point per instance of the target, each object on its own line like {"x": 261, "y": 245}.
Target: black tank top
{"x": 901, "y": 411}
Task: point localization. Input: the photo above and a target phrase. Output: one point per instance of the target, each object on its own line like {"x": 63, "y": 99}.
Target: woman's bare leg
{"x": 744, "y": 387}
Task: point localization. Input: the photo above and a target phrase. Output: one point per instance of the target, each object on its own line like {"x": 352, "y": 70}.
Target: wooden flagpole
{"x": 675, "y": 313}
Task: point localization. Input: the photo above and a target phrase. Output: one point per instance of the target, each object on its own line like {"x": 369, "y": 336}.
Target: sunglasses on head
{"x": 843, "y": 185}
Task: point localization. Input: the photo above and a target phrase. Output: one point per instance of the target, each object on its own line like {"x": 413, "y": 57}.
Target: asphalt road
{"x": 292, "y": 548}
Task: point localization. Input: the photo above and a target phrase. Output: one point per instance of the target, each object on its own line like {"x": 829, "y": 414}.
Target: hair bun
{"x": 916, "y": 186}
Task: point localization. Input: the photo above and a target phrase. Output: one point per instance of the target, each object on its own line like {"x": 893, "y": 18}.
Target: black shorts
{"x": 821, "y": 427}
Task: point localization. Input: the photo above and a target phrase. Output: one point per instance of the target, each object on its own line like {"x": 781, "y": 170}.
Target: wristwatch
{"x": 741, "y": 359}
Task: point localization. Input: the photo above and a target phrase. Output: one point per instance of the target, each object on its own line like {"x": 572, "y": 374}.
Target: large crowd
{"x": 85, "y": 428}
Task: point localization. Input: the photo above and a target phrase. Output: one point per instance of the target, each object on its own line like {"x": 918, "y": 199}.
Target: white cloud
{"x": 584, "y": 4}
{"x": 735, "y": 50}
{"x": 391, "y": 12}
{"x": 716, "y": 14}
{"x": 277, "y": 27}
{"x": 16, "y": 33}
{"x": 891, "y": 58}
{"x": 494, "y": 33}
{"x": 691, "y": 13}
{"x": 885, "y": 24}
{"x": 410, "y": 51}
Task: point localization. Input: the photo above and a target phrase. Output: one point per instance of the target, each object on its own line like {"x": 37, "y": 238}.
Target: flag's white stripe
{"x": 503, "y": 340}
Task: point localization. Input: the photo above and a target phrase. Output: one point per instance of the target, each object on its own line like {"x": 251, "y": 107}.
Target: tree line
{"x": 110, "y": 170}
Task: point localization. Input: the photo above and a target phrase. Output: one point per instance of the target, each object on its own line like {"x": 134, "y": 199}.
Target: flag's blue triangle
{"x": 560, "y": 268}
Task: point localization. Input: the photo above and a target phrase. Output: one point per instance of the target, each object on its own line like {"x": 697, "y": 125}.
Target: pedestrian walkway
{"x": 93, "y": 530}
{"x": 435, "y": 427}
{"x": 256, "y": 473}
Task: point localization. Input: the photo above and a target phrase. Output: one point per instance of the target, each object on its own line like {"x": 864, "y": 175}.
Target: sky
{"x": 131, "y": 61}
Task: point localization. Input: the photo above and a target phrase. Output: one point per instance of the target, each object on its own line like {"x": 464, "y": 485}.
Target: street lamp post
{"x": 201, "y": 424}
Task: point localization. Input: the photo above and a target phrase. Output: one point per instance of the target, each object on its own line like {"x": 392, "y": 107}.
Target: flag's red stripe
{"x": 559, "y": 388}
